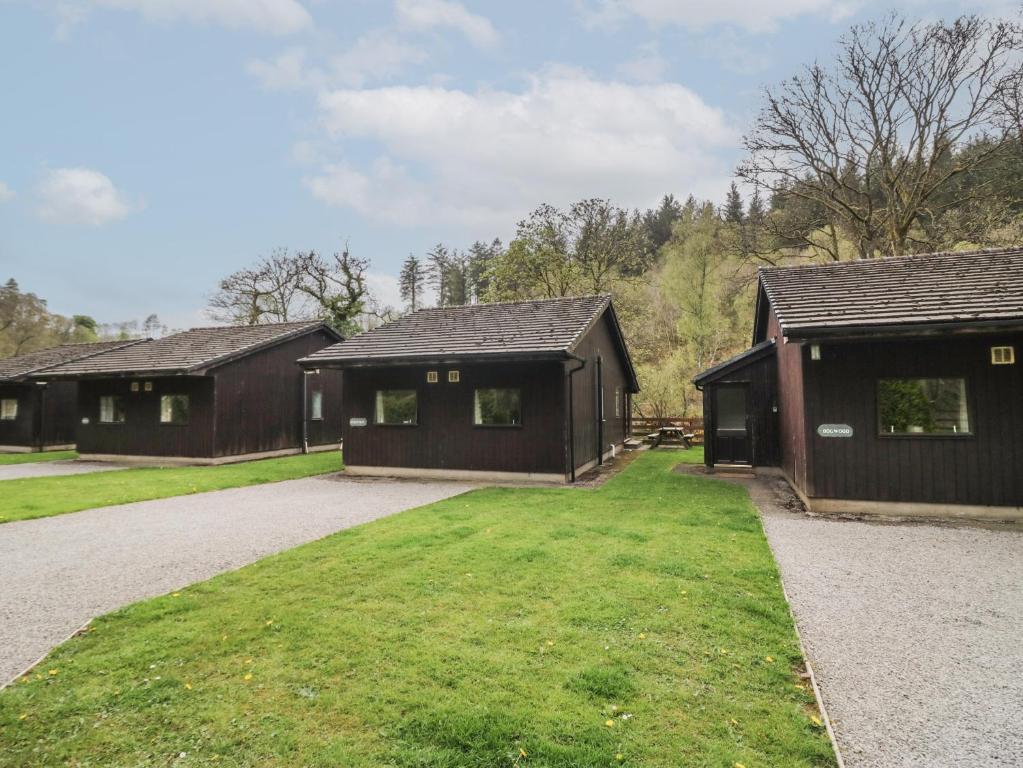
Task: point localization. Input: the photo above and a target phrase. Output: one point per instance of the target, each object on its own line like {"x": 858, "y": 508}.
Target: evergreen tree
{"x": 658, "y": 222}
{"x": 733, "y": 212}
{"x": 412, "y": 282}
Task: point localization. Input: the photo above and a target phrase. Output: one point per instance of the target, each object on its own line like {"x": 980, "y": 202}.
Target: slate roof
{"x": 547, "y": 328}
{"x": 935, "y": 289}
{"x": 735, "y": 363}
{"x": 190, "y": 351}
{"x": 19, "y": 367}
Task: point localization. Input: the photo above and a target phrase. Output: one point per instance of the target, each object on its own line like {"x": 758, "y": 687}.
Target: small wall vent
{"x": 1003, "y": 355}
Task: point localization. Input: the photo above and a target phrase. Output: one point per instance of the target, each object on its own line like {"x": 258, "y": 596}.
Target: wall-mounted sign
{"x": 85, "y": 419}
{"x": 357, "y": 422}
{"x": 835, "y": 430}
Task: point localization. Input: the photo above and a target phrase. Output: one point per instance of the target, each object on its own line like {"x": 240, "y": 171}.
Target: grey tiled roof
{"x": 185, "y": 352}
{"x": 931, "y": 289}
{"x": 542, "y": 328}
{"x": 13, "y": 368}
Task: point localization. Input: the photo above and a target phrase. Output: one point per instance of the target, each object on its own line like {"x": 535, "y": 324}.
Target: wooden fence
{"x": 644, "y": 425}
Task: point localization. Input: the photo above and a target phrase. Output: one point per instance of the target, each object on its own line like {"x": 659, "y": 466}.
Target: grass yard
{"x": 31, "y": 458}
{"x": 29, "y": 498}
{"x": 638, "y": 624}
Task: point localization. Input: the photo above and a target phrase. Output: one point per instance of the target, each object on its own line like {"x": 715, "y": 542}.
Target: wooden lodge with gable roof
{"x": 206, "y": 396}
{"x": 537, "y": 390}
{"x": 890, "y": 386}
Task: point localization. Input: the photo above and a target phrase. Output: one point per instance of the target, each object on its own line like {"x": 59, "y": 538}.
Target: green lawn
{"x": 30, "y": 458}
{"x": 638, "y": 624}
{"x": 28, "y": 498}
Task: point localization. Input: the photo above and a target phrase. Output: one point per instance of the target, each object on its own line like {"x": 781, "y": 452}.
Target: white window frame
{"x": 9, "y": 409}
{"x": 316, "y": 405}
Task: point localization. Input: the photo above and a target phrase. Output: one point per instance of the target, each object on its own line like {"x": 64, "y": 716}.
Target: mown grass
{"x": 641, "y": 624}
{"x": 28, "y": 498}
{"x": 31, "y": 458}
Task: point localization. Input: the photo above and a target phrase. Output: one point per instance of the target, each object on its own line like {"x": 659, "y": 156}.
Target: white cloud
{"x": 80, "y": 196}
{"x": 699, "y": 14}
{"x": 431, "y": 14}
{"x": 6, "y": 193}
{"x": 485, "y": 158}
{"x": 384, "y": 289}
{"x": 376, "y": 56}
{"x": 279, "y": 17}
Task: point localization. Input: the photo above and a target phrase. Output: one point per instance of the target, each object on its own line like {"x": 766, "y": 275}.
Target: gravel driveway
{"x": 915, "y": 632}
{"x": 54, "y": 468}
{"x": 56, "y": 573}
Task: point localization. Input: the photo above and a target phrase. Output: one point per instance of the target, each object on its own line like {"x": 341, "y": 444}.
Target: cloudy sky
{"x": 149, "y": 147}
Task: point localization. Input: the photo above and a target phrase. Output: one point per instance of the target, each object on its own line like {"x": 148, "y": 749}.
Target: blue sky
{"x": 149, "y": 147}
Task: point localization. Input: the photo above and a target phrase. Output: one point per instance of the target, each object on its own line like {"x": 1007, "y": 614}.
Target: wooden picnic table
{"x": 672, "y": 432}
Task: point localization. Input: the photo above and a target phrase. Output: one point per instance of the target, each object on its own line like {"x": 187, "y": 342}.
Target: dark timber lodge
{"x": 531, "y": 390}
{"x": 206, "y": 396}
{"x": 36, "y": 414}
{"x": 882, "y": 387}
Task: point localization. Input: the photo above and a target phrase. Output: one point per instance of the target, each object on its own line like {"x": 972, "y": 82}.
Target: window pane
{"x": 316, "y": 405}
{"x": 498, "y": 407}
{"x": 9, "y": 409}
{"x": 173, "y": 409}
{"x": 922, "y": 407}
{"x": 396, "y": 406}
{"x": 731, "y": 409}
{"x": 111, "y": 409}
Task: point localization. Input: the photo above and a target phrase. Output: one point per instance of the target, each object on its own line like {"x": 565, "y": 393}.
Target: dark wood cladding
{"x": 141, "y": 433}
{"x": 250, "y": 405}
{"x": 791, "y": 413}
{"x": 983, "y": 468}
{"x": 445, "y": 437}
{"x": 325, "y": 431}
{"x": 598, "y": 344}
{"x": 761, "y": 378}
{"x": 46, "y": 415}
{"x": 259, "y": 400}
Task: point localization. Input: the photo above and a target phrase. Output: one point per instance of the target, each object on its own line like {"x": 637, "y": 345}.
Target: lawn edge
{"x": 157, "y": 498}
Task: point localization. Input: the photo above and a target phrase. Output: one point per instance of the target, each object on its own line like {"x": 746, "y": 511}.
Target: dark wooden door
{"x": 732, "y": 443}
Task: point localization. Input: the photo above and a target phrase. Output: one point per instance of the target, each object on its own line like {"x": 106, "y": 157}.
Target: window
{"x": 8, "y": 409}
{"x": 453, "y": 377}
{"x": 173, "y": 409}
{"x": 497, "y": 408}
{"x": 431, "y": 377}
{"x": 1003, "y": 355}
{"x": 618, "y": 402}
{"x": 316, "y": 405}
{"x": 922, "y": 407}
{"x": 111, "y": 409}
{"x": 396, "y": 407}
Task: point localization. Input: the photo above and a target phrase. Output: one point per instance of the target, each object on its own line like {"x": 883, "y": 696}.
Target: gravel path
{"x": 54, "y": 468}
{"x": 56, "y": 573}
{"x": 915, "y": 632}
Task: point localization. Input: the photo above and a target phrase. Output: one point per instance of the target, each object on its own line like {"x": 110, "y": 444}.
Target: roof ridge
{"x": 889, "y": 259}
{"x": 244, "y": 325}
{"x": 511, "y": 301}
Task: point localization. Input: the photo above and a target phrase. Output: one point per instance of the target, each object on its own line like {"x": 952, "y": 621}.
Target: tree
{"x": 539, "y": 262}
{"x": 607, "y": 243}
{"x": 483, "y": 257}
{"x": 335, "y": 285}
{"x": 412, "y": 282}
{"x": 868, "y": 145}
{"x": 658, "y": 223}
{"x": 266, "y": 293}
{"x": 733, "y": 212}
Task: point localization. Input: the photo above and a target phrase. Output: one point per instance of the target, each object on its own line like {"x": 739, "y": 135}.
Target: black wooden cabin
{"x": 207, "y": 395}
{"x": 36, "y": 414}
{"x": 890, "y": 386}
{"x": 535, "y": 390}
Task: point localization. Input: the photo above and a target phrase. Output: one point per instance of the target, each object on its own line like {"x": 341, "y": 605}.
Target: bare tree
{"x": 336, "y": 285}
{"x": 265, "y": 293}
{"x": 867, "y": 147}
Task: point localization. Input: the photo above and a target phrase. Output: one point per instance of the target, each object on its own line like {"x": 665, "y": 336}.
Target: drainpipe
{"x": 42, "y": 414}
{"x": 571, "y": 414}
{"x": 600, "y": 411}
{"x": 305, "y": 411}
